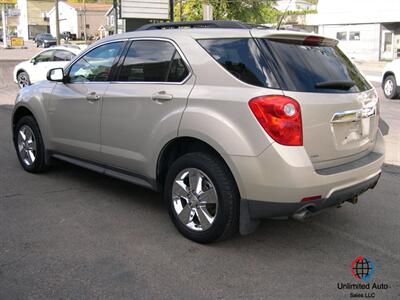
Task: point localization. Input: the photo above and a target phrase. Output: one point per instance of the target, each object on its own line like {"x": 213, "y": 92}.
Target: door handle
{"x": 162, "y": 97}
{"x": 92, "y": 96}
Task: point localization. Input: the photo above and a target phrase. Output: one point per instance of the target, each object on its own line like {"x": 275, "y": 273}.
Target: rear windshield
{"x": 305, "y": 68}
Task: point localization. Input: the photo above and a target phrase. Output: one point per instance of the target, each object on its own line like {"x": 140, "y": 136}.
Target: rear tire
{"x": 29, "y": 145}
{"x": 390, "y": 87}
{"x": 204, "y": 208}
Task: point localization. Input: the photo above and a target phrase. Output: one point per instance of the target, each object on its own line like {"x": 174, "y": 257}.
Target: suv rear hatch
{"x": 338, "y": 106}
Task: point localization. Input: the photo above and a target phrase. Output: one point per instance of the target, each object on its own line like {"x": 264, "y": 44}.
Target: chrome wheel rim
{"x": 23, "y": 80}
{"x": 389, "y": 86}
{"x": 195, "y": 199}
{"x": 26, "y": 145}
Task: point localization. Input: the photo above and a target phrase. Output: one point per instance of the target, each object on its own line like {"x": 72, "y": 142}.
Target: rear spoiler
{"x": 298, "y": 38}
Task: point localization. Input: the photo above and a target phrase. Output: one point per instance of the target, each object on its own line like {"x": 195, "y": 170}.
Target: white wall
{"x": 356, "y": 11}
{"x": 367, "y": 48}
{"x": 22, "y": 28}
{"x": 68, "y": 19}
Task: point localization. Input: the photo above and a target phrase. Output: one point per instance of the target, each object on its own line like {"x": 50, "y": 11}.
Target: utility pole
{"x": 4, "y": 21}
{"x": 84, "y": 21}
{"x": 171, "y": 10}
{"x": 180, "y": 10}
{"x": 57, "y": 22}
{"x": 115, "y": 4}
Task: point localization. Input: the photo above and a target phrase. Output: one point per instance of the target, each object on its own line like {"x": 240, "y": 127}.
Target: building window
{"x": 341, "y": 36}
{"x": 87, "y": 26}
{"x": 354, "y": 36}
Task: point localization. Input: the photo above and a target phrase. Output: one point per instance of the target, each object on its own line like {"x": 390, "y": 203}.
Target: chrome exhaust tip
{"x": 302, "y": 214}
{"x": 353, "y": 200}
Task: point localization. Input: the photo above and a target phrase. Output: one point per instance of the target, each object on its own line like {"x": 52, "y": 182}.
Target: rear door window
{"x": 303, "y": 68}
{"x": 63, "y": 55}
{"x": 152, "y": 61}
{"x": 242, "y": 58}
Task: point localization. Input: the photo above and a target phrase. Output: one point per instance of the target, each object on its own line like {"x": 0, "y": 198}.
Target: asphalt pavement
{"x": 73, "y": 234}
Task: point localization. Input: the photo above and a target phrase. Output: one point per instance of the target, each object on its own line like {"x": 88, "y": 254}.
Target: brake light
{"x": 313, "y": 40}
{"x": 280, "y": 116}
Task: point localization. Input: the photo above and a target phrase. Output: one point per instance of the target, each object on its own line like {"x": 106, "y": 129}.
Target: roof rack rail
{"x": 199, "y": 24}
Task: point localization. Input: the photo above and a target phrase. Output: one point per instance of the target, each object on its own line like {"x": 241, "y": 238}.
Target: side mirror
{"x": 33, "y": 61}
{"x": 56, "y": 74}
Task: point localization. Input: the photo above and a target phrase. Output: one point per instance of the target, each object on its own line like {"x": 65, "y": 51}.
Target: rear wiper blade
{"x": 339, "y": 85}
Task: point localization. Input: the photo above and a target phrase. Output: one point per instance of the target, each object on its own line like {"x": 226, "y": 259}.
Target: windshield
{"x": 314, "y": 68}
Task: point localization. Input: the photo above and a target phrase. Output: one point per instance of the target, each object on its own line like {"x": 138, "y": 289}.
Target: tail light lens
{"x": 280, "y": 116}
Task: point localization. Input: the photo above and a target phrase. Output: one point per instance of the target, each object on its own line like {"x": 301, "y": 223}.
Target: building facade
{"x": 366, "y": 29}
{"x": 32, "y": 17}
{"x": 74, "y": 17}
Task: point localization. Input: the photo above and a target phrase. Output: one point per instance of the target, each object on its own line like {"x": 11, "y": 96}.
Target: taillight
{"x": 280, "y": 116}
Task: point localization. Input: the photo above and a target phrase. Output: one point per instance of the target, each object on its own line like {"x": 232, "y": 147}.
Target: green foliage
{"x": 251, "y": 11}
{"x": 301, "y": 12}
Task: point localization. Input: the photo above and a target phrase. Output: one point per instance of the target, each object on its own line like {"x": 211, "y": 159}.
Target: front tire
{"x": 23, "y": 79}
{"x": 29, "y": 145}
{"x": 202, "y": 198}
{"x": 390, "y": 87}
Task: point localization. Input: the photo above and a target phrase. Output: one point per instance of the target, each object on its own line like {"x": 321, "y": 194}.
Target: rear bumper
{"x": 262, "y": 209}
{"x": 285, "y": 175}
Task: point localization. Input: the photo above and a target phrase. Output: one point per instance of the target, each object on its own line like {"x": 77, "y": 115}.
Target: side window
{"x": 242, "y": 58}
{"x": 44, "y": 56}
{"x": 151, "y": 61}
{"x": 178, "y": 70}
{"x": 95, "y": 65}
{"x": 63, "y": 55}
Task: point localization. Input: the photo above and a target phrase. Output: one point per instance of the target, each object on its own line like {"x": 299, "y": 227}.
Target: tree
{"x": 251, "y": 11}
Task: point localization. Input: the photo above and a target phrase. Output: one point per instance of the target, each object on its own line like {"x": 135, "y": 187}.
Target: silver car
{"x": 232, "y": 124}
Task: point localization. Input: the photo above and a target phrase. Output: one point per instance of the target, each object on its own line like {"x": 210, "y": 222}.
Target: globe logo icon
{"x": 362, "y": 268}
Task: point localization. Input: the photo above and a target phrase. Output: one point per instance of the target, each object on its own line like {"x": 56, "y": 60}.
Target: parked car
{"x": 232, "y": 125}
{"x": 35, "y": 69}
{"x": 391, "y": 79}
{"x": 45, "y": 40}
{"x": 68, "y": 36}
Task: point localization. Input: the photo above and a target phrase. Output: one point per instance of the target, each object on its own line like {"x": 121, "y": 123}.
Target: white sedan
{"x": 391, "y": 79}
{"x": 35, "y": 69}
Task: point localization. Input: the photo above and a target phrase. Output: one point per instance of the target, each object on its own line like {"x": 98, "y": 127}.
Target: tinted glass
{"x": 178, "y": 71}
{"x": 147, "y": 61}
{"x": 95, "y": 65}
{"x": 302, "y": 67}
{"x": 44, "y": 56}
{"x": 242, "y": 58}
{"x": 63, "y": 55}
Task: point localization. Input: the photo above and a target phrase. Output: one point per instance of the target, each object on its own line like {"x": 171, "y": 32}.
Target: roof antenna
{"x": 284, "y": 15}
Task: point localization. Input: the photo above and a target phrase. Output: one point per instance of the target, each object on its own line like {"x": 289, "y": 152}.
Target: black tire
{"x": 226, "y": 222}
{"x": 23, "y": 79}
{"x": 390, "y": 93}
{"x": 39, "y": 164}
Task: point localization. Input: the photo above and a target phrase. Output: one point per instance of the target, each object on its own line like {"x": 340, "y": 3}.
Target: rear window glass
{"x": 242, "y": 58}
{"x": 302, "y": 67}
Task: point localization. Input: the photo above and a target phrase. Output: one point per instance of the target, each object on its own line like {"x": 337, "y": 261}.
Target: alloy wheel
{"x": 26, "y": 142}
{"x": 388, "y": 88}
{"x": 195, "y": 199}
{"x": 23, "y": 80}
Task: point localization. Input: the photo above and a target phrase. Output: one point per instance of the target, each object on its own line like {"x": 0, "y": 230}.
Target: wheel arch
{"x": 20, "y": 112}
{"x": 185, "y": 144}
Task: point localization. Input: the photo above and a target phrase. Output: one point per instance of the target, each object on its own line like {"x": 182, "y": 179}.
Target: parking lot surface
{"x": 71, "y": 233}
